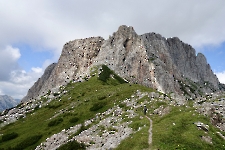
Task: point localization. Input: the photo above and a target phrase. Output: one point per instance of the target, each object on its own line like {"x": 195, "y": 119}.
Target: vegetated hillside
{"x": 105, "y": 112}
{"x": 7, "y": 102}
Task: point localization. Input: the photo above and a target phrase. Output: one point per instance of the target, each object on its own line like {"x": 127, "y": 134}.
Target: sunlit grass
{"x": 83, "y": 100}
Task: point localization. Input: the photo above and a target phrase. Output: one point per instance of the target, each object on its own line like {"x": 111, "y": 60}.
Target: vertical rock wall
{"x": 148, "y": 59}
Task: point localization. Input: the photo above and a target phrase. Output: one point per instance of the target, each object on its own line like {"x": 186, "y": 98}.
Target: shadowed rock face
{"x": 34, "y": 91}
{"x": 147, "y": 59}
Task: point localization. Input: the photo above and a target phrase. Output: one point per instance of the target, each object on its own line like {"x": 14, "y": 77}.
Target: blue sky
{"x": 34, "y": 32}
{"x": 215, "y": 56}
{"x": 32, "y": 57}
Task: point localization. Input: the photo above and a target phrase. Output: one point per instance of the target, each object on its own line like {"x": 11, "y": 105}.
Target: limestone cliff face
{"x": 189, "y": 65}
{"x": 34, "y": 91}
{"x": 147, "y": 59}
{"x": 139, "y": 59}
{"x": 73, "y": 65}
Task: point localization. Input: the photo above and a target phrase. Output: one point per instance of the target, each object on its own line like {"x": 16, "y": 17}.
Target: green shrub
{"x": 9, "y": 136}
{"x": 52, "y": 106}
{"x": 55, "y": 122}
{"x": 97, "y": 106}
{"x": 55, "y": 94}
{"x": 121, "y": 105}
{"x": 105, "y": 73}
{"x": 72, "y": 145}
{"x": 119, "y": 79}
{"x": 36, "y": 108}
{"x": 74, "y": 120}
{"x": 28, "y": 142}
{"x": 49, "y": 92}
{"x": 101, "y": 97}
{"x": 82, "y": 128}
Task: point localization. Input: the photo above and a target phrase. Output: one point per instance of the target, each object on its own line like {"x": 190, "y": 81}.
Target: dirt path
{"x": 150, "y": 132}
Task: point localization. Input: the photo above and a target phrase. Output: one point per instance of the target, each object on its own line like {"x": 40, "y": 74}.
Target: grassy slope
{"x": 183, "y": 135}
{"x": 178, "y": 131}
{"x": 83, "y": 96}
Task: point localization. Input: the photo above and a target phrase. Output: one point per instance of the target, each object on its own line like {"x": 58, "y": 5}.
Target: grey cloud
{"x": 52, "y": 23}
{"x": 19, "y": 82}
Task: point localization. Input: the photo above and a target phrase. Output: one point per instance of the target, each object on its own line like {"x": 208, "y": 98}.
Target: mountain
{"x": 148, "y": 59}
{"x": 127, "y": 92}
{"x": 7, "y": 102}
{"x": 18, "y": 100}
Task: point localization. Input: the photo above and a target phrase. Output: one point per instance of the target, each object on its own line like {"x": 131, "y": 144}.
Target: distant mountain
{"x": 7, "y": 102}
{"x": 18, "y": 100}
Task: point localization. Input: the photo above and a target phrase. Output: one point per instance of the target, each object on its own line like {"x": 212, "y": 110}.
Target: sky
{"x": 32, "y": 33}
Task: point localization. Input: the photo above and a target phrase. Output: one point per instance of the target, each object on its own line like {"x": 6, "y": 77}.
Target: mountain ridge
{"x": 148, "y": 59}
{"x": 127, "y": 92}
{"x": 7, "y": 102}
{"x": 105, "y": 112}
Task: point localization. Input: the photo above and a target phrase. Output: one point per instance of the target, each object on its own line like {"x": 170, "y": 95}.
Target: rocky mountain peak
{"x": 125, "y": 32}
{"x": 105, "y": 112}
{"x": 166, "y": 64}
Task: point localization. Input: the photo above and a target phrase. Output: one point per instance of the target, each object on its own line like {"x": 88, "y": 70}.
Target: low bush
{"x": 55, "y": 94}
{"x": 28, "y": 142}
{"x": 82, "y": 128}
{"x": 101, "y": 97}
{"x": 105, "y": 73}
{"x": 119, "y": 79}
{"x": 9, "y": 136}
{"x": 74, "y": 120}
{"x": 53, "y": 106}
{"x": 121, "y": 105}
{"x": 97, "y": 106}
{"x": 72, "y": 145}
{"x": 55, "y": 122}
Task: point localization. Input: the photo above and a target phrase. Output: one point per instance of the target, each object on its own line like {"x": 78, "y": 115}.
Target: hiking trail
{"x": 150, "y": 131}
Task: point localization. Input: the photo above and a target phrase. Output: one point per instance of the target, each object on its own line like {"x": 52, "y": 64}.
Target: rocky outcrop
{"x": 189, "y": 65}
{"x": 155, "y": 61}
{"x": 168, "y": 65}
{"x": 34, "y": 91}
{"x": 7, "y": 102}
{"x": 74, "y": 63}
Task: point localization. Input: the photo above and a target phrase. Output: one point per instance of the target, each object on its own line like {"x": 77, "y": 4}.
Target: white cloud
{"x": 52, "y": 23}
{"x": 17, "y": 91}
{"x": 8, "y": 61}
{"x": 20, "y": 81}
{"x": 221, "y": 76}
{"x": 15, "y": 81}
{"x": 37, "y": 70}
{"x": 10, "y": 53}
